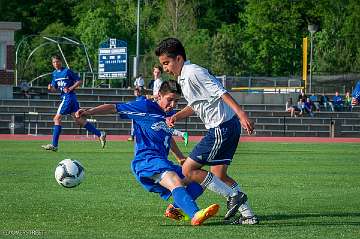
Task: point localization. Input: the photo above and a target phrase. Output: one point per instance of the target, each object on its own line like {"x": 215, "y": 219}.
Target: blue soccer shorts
{"x": 68, "y": 105}
{"x": 219, "y": 144}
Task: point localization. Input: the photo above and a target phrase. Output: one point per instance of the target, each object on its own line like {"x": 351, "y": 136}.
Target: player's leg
{"x": 247, "y": 214}
{"x": 183, "y": 199}
{"x": 56, "y": 134}
{"x": 87, "y": 125}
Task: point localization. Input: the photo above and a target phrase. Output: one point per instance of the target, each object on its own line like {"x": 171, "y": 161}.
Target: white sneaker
{"x": 102, "y": 139}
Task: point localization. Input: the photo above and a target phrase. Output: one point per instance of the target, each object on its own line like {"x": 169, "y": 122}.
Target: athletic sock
{"x": 184, "y": 201}
{"x": 91, "y": 128}
{"x": 194, "y": 190}
{"x": 56, "y": 135}
{"x": 214, "y": 184}
{"x": 246, "y": 210}
{"x": 236, "y": 188}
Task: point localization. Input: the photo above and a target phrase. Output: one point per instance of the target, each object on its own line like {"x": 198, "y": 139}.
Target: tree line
{"x": 232, "y": 37}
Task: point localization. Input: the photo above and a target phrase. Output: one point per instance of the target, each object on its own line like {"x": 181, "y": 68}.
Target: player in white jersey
{"x": 223, "y": 118}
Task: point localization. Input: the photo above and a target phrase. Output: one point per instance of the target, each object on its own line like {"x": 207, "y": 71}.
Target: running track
{"x": 191, "y": 138}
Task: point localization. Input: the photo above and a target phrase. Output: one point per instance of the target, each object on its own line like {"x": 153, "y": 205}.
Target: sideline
{"x": 191, "y": 138}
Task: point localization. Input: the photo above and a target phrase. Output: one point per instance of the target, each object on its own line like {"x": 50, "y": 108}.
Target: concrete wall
{"x": 263, "y": 98}
{"x": 6, "y": 91}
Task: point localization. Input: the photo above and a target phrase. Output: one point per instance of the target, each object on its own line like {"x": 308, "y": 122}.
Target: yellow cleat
{"x": 204, "y": 214}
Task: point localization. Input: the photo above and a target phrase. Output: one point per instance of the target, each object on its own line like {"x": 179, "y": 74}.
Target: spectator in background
{"x": 347, "y": 101}
{"x": 325, "y": 101}
{"x": 25, "y": 87}
{"x": 157, "y": 71}
{"x": 308, "y": 107}
{"x": 338, "y": 102}
{"x": 139, "y": 82}
{"x": 315, "y": 102}
{"x": 302, "y": 97}
{"x": 293, "y": 109}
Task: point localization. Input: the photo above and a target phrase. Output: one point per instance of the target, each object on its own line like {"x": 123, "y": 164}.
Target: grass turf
{"x": 298, "y": 190}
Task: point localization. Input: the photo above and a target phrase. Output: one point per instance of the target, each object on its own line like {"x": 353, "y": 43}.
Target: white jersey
{"x": 157, "y": 84}
{"x": 203, "y": 93}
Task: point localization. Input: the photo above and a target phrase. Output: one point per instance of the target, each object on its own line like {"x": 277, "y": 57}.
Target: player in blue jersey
{"x": 151, "y": 166}
{"x": 223, "y": 118}
{"x": 356, "y": 94}
{"x": 66, "y": 81}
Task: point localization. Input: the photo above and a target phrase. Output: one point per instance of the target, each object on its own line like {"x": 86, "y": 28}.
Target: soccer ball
{"x": 69, "y": 173}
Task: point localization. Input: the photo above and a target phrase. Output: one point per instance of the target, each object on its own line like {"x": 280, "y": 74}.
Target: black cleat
{"x": 233, "y": 204}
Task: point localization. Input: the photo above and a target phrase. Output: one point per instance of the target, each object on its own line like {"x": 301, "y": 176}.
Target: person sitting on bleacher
{"x": 338, "y": 102}
{"x": 324, "y": 100}
{"x": 293, "y": 109}
{"x": 308, "y": 107}
{"x": 347, "y": 101}
{"x": 315, "y": 102}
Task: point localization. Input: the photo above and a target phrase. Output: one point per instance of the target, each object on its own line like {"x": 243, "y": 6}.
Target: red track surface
{"x": 192, "y": 138}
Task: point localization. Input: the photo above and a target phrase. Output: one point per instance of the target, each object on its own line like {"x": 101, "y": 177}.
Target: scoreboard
{"x": 113, "y": 59}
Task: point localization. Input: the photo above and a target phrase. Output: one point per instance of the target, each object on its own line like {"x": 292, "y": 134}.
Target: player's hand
{"x": 247, "y": 124}
{"x": 354, "y": 101}
{"x": 80, "y": 113}
{"x": 170, "y": 121}
{"x": 66, "y": 90}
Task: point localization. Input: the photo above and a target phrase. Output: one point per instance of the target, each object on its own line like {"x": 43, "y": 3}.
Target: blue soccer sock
{"x": 184, "y": 201}
{"x": 194, "y": 190}
{"x": 56, "y": 135}
{"x": 91, "y": 128}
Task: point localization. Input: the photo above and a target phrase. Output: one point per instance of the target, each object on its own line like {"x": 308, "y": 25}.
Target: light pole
{"x": 136, "y": 59}
{"x": 312, "y": 29}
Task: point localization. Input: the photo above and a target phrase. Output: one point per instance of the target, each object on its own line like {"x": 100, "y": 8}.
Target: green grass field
{"x": 298, "y": 190}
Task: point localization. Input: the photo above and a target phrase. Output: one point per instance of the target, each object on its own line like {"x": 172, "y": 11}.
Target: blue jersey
{"x": 152, "y": 146}
{"x": 64, "y": 78}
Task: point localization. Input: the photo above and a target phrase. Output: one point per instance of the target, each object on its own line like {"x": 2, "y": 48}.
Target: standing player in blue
{"x": 66, "y": 81}
{"x": 222, "y": 116}
{"x": 151, "y": 166}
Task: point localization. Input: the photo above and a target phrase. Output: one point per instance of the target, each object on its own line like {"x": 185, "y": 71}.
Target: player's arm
{"x": 51, "y": 88}
{"x": 76, "y": 85}
{"x": 182, "y": 114}
{"x": 176, "y": 151}
{"x": 246, "y": 123}
{"x": 99, "y": 110}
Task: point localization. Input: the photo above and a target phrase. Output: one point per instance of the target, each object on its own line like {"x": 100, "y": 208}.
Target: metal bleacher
{"x": 270, "y": 119}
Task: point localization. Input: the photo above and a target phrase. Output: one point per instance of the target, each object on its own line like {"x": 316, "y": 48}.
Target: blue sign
{"x": 113, "y": 59}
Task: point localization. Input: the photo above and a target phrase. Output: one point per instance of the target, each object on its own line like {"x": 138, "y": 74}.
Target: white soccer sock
{"x": 246, "y": 210}
{"x": 214, "y": 184}
{"x": 236, "y": 188}
{"x": 178, "y": 133}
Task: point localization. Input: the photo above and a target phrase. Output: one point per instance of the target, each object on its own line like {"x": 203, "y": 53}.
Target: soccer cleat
{"x": 102, "y": 139}
{"x": 186, "y": 138}
{"x": 175, "y": 213}
{"x": 233, "y": 204}
{"x": 204, "y": 214}
{"x": 245, "y": 221}
{"x": 131, "y": 138}
{"x": 49, "y": 147}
